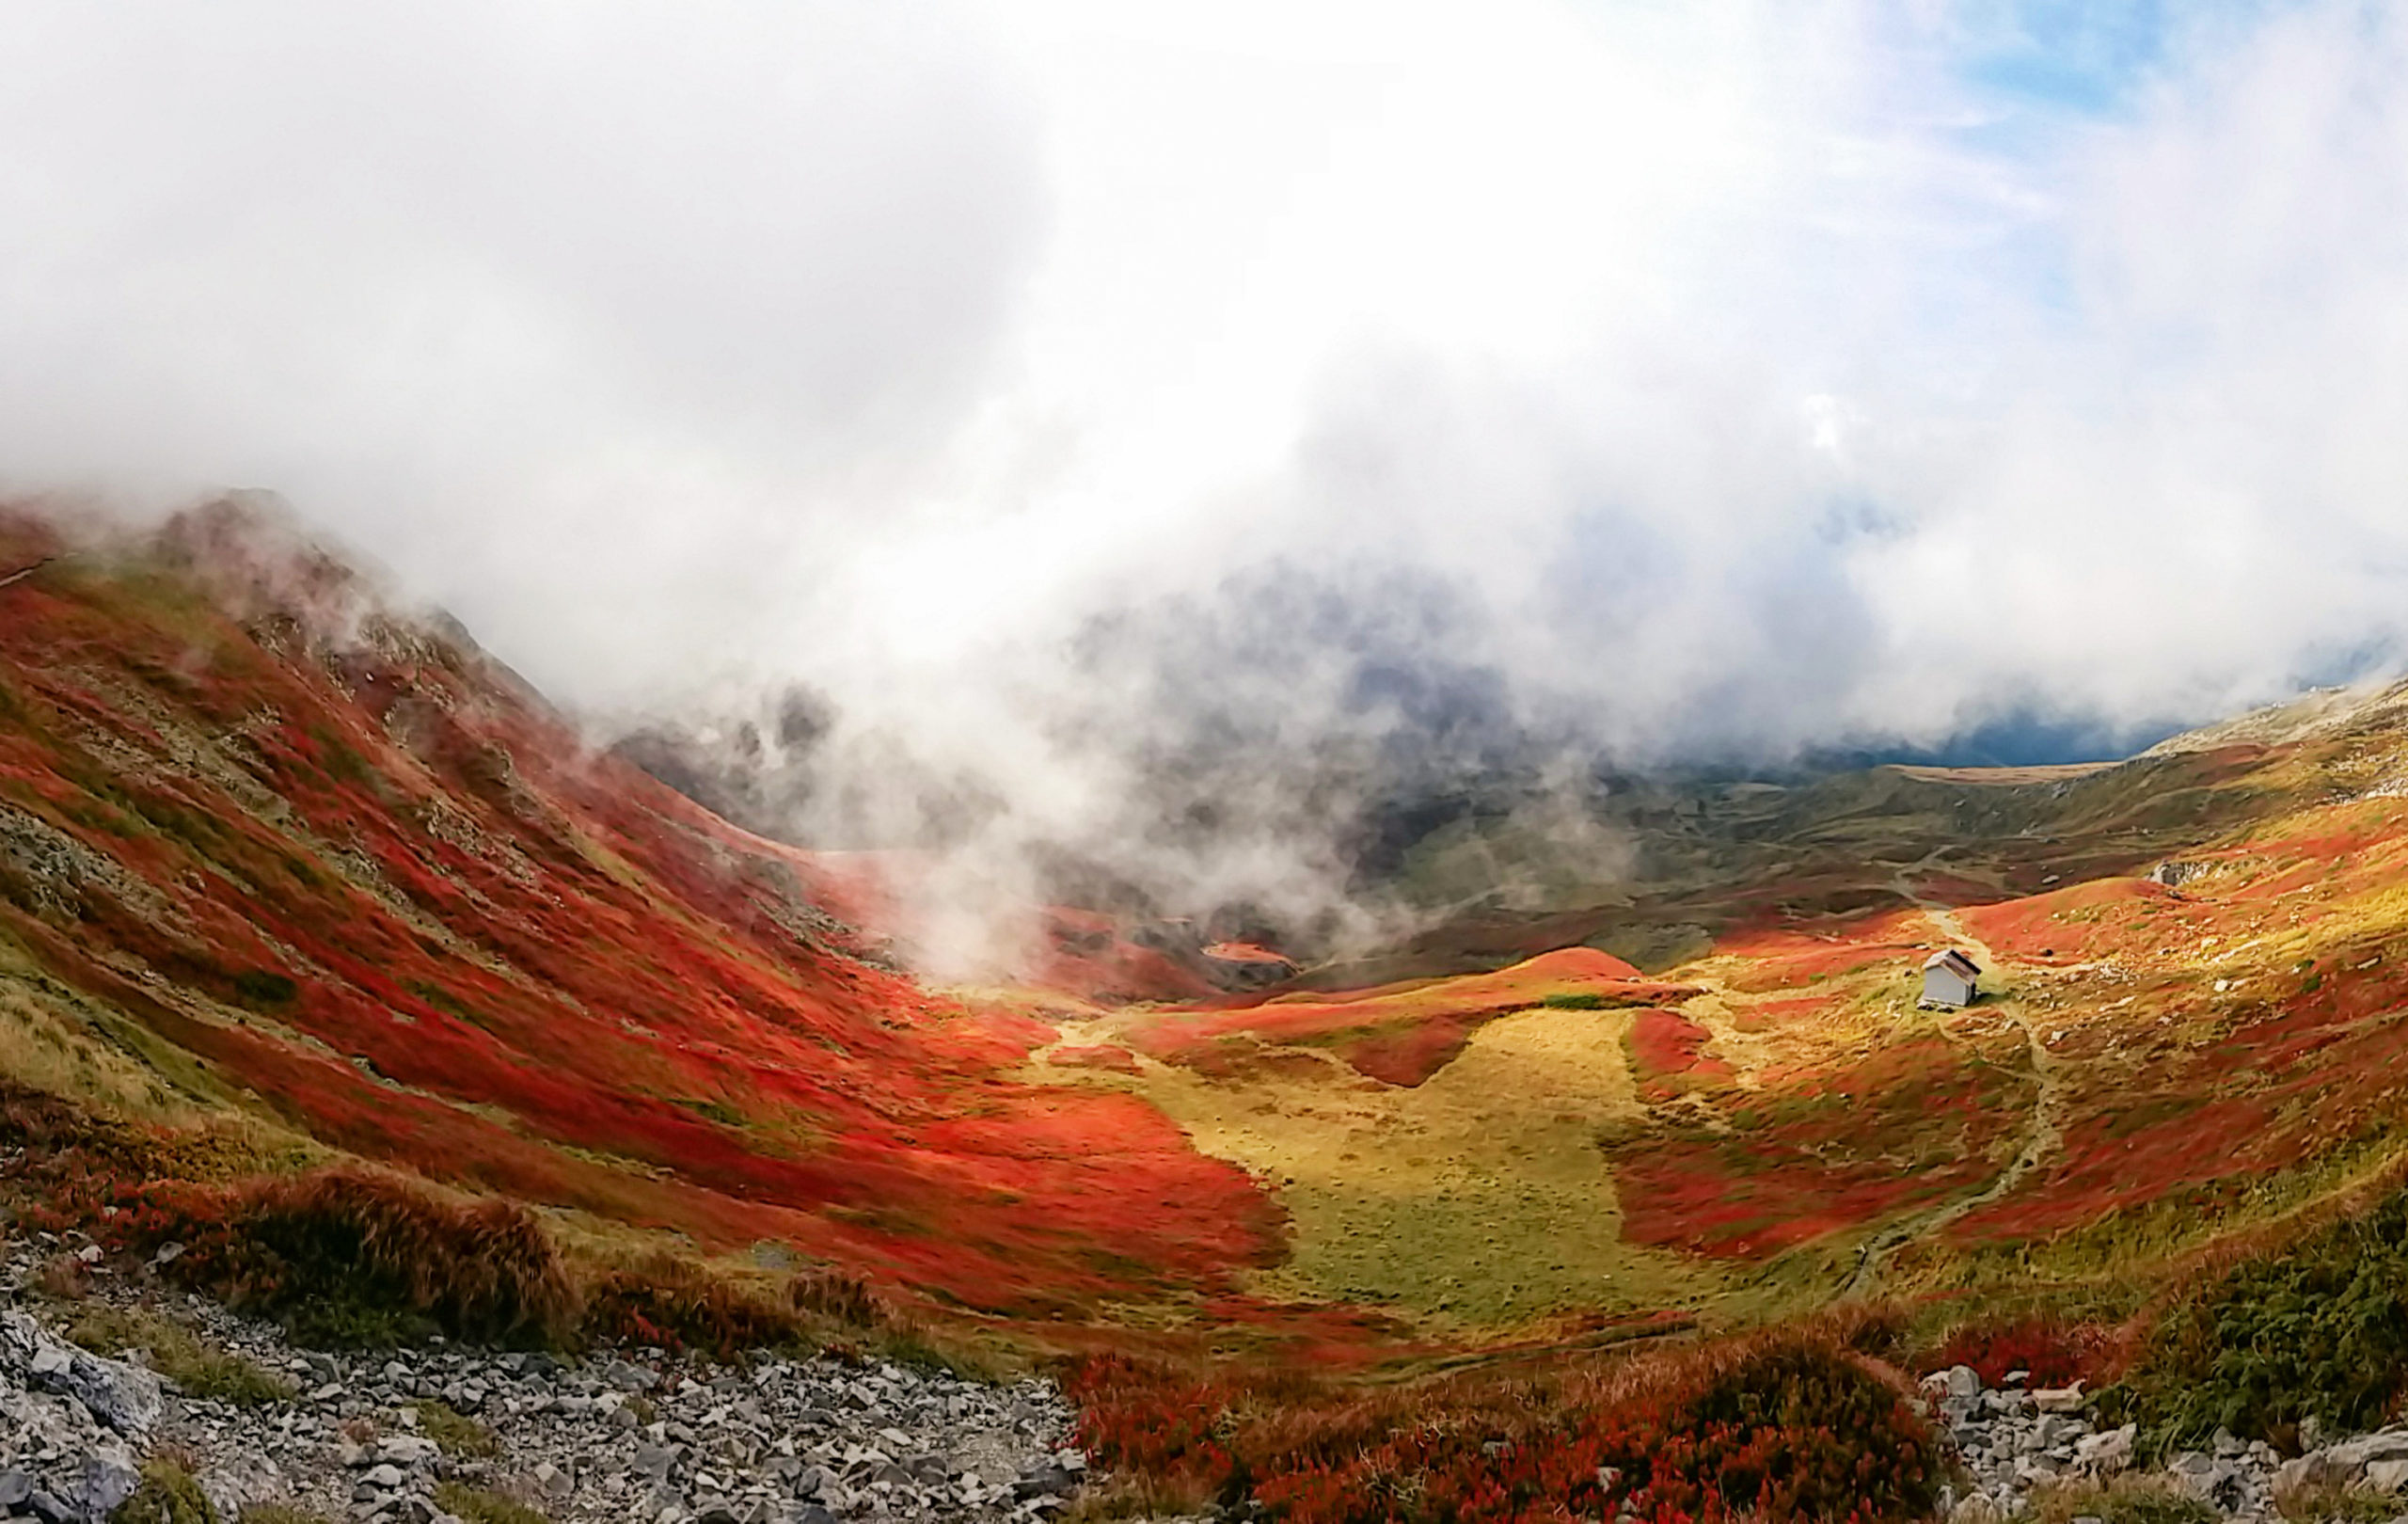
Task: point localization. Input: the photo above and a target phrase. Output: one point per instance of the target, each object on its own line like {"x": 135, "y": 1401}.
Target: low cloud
{"x": 1160, "y": 445}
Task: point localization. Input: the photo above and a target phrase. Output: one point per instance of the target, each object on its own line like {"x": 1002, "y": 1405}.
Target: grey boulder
{"x": 123, "y": 1397}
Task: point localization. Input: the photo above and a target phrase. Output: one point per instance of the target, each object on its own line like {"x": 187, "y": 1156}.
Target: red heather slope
{"x": 1398, "y": 1033}
{"x": 2156, "y": 1060}
{"x": 374, "y": 887}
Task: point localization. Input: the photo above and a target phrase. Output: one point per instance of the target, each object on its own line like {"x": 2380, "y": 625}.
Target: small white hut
{"x": 1948, "y": 981}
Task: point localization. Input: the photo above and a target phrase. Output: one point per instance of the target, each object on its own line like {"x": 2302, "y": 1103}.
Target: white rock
{"x": 1976, "y": 1509}
{"x": 2387, "y": 1475}
{"x": 2059, "y": 1399}
{"x": 2314, "y": 1470}
{"x": 242, "y": 1481}
{"x": 2354, "y": 1455}
{"x": 2104, "y": 1454}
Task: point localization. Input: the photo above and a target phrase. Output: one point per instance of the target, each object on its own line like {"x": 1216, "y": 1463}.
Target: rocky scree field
{"x": 265, "y": 1430}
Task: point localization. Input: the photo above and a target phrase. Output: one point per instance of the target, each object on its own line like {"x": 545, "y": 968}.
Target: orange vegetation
{"x": 1668, "y": 1055}
{"x": 379, "y": 890}
{"x": 1400, "y": 1034}
{"x": 1817, "y": 1152}
{"x": 1779, "y": 957}
{"x": 1796, "y": 1425}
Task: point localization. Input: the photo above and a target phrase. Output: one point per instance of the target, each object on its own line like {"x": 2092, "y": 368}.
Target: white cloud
{"x": 1752, "y": 375}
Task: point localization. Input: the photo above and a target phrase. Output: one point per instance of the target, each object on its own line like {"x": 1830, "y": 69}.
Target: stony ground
{"x": 636, "y": 1436}
{"x": 2016, "y": 1441}
{"x": 630, "y": 1437}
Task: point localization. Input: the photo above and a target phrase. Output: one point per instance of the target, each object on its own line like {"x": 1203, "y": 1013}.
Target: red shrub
{"x": 1796, "y": 1427}
{"x": 1668, "y": 1054}
{"x": 1145, "y": 1419}
{"x": 2056, "y": 1354}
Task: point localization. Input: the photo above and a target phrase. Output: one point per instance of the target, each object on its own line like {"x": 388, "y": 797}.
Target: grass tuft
{"x": 2124, "y": 1500}
{"x": 673, "y": 1302}
{"x": 168, "y": 1494}
{"x": 353, "y": 1237}
{"x": 477, "y": 1505}
{"x": 357, "y": 1257}
{"x": 2333, "y": 1503}
{"x": 457, "y": 1433}
{"x": 200, "y": 1367}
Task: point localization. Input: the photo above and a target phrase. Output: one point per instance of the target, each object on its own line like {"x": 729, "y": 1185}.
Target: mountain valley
{"x": 311, "y": 911}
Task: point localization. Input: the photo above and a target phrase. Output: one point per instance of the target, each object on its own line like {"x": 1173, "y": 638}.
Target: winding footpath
{"x": 2042, "y": 1133}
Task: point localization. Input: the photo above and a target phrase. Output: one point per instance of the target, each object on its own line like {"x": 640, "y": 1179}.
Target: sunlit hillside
{"x": 293, "y": 884}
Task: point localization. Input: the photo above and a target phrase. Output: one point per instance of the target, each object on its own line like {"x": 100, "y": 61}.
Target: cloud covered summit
{"x": 1021, "y": 379}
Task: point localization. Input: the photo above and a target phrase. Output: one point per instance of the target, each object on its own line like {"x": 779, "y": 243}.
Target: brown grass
{"x": 349, "y": 1247}
{"x": 1125, "y": 1497}
{"x": 828, "y": 1293}
{"x": 63, "y": 1277}
{"x": 356, "y": 1254}
{"x": 479, "y": 1506}
{"x": 482, "y": 1269}
{"x": 2131, "y": 1499}
{"x": 200, "y": 1367}
{"x": 662, "y": 1299}
{"x": 2329, "y": 1501}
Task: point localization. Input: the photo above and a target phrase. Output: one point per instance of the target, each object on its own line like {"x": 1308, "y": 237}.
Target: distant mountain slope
{"x": 267, "y": 846}
{"x": 2195, "y": 979}
{"x": 2323, "y": 710}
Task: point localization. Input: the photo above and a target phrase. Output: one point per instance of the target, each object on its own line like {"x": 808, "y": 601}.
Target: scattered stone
{"x": 772, "y": 1442}
{"x": 2013, "y": 1441}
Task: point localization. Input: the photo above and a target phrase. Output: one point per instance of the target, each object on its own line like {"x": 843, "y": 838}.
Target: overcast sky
{"x": 1765, "y": 374}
